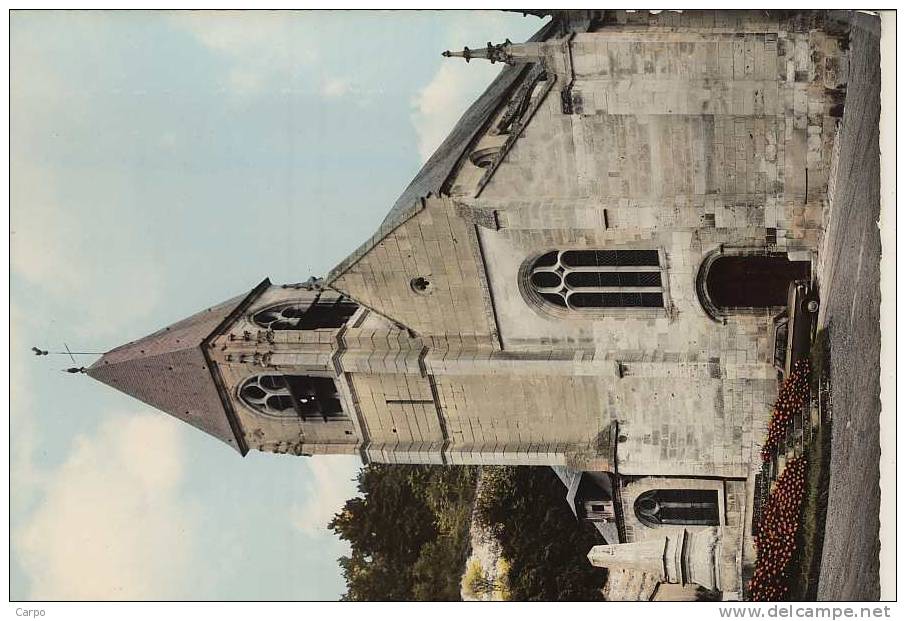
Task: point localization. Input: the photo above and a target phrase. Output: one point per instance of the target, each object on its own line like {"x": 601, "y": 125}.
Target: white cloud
{"x": 24, "y": 477}
{"x": 456, "y": 84}
{"x": 336, "y": 87}
{"x": 440, "y": 104}
{"x": 96, "y": 526}
{"x": 263, "y": 47}
{"x": 330, "y": 485}
{"x": 271, "y": 52}
{"x": 113, "y": 522}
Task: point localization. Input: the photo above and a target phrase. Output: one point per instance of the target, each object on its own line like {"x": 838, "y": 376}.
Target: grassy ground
{"x": 806, "y": 566}
{"x": 819, "y": 359}
{"x": 810, "y": 540}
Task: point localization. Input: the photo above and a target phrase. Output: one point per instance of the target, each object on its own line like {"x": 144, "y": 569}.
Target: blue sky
{"x": 160, "y": 163}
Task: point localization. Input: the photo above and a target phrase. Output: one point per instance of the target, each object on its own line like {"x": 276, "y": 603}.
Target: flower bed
{"x": 794, "y": 393}
{"x": 776, "y": 539}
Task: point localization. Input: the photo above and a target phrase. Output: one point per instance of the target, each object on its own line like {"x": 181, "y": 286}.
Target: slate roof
{"x": 170, "y": 371}
{"x": 433, "y": 176}
{"x": 572, "y": 479}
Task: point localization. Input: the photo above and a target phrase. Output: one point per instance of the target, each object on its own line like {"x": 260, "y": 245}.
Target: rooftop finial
{"x": 44, "y": 352}
{"x": 494, "y": 53}
{"x": 79, "y": 369}
{"x": 314, "y": 283}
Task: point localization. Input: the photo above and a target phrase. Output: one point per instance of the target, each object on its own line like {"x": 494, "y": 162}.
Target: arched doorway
{"x": 664, "y": 507}
{"x": 747, "y": 282}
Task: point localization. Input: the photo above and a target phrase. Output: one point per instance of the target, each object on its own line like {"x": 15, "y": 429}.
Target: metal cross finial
{"x": 43, "y": 352}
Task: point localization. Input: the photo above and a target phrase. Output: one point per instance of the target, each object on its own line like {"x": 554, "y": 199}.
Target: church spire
{"x": 506, "y": 52}
{"x": 172, "y": 371}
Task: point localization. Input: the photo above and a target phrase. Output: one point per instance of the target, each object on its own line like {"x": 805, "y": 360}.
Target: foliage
{"x": 819, "y": 358}
{"x": 707, "y": 595}
{"x": 523, "y": 507}
{"x": 806, "y": 564}
{"x": 476, "y": 582}
{"x": 503, "y": 576}
{"x": 409, "y": 532}
{"x": 794, "y": 394}
{"x": 777, "y": 534}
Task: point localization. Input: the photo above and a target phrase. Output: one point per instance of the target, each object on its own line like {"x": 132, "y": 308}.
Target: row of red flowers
{"x": 794, "y": 394}
{"x": 776, "y": 539}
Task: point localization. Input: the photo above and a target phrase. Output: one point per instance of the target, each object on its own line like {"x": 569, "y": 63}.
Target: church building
{"x": 583, "y": 276}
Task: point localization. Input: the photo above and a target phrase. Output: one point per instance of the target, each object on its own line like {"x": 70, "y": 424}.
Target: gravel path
{"x": 850, "y": 292}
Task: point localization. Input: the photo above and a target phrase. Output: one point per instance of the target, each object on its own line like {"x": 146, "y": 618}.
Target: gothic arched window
{"x": 660, "y": 507}
{"x": 292, "y": 395}
{"x": 302, "y": 316}
{"x": 590, "y": 279}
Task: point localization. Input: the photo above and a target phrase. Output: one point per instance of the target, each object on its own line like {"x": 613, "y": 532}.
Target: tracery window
{"x": 660, "y": 507}
{"x": 589, "y": 279}
{"x": 301, "y": 316}
{"x": 292, "y": 395}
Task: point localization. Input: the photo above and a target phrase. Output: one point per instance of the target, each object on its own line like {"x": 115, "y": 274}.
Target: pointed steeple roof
{"x": 171, "y": 371}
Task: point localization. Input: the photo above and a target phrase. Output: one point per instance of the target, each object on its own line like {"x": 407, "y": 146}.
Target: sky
{"x": 163, "y": 162}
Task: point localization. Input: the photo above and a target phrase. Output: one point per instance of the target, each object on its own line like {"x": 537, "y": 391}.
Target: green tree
{"x": 409, "y": 534}
{"x": 408, "y": 530}
{"x": 543, "y": 543}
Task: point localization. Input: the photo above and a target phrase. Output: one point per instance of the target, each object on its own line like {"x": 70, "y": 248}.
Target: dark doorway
{"x": 753, "y": 281}
{"x": 661, "y": 507}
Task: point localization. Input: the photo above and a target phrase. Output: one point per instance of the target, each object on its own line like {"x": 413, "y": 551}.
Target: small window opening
{"x": 420, "y": 284}
{"x": 484, "y": 158}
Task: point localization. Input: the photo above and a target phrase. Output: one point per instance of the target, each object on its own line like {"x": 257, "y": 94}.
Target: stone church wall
{"x": 246, "y": 350}
{"x": 440, "y": 247}
{"x": 397, "y": 408}
{"x": 686, "y": 135}
{"x": 521, "y": 420}
{"x": 683, "y": 139}
{"x": 527, "y": 411}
